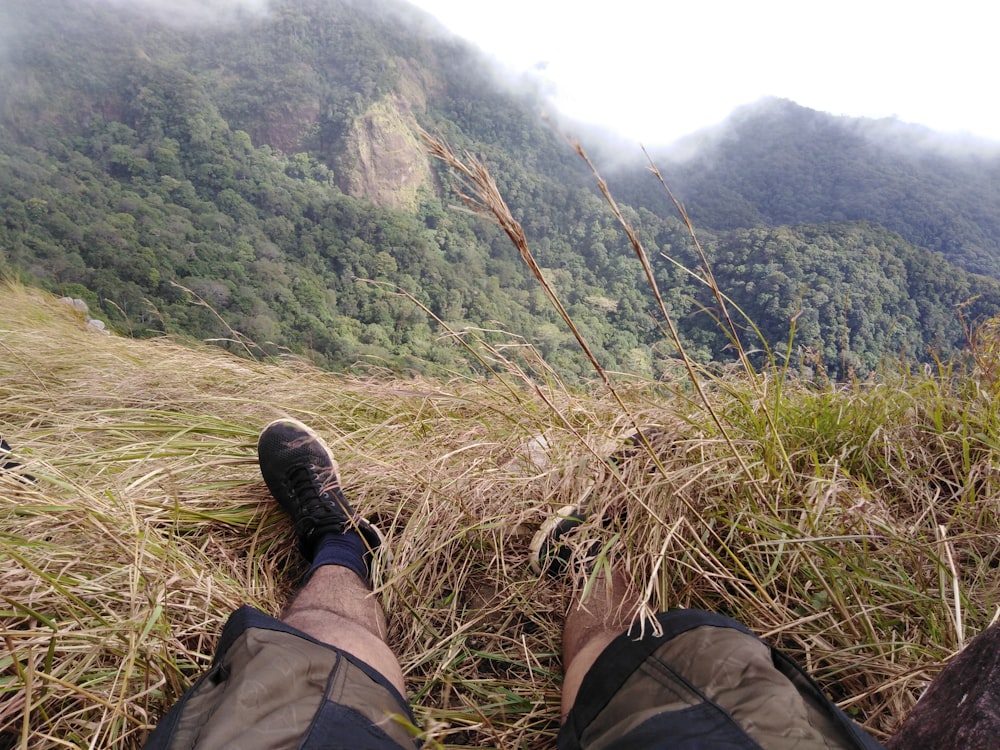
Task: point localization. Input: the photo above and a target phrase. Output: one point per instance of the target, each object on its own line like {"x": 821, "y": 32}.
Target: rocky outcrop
{"x": 384, "y": 158}
{"x": 81, "y": 307}
{"x": 959, "y": 709}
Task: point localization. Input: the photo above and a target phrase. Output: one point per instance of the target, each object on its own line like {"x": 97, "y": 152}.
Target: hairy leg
{"x": 336, "y": 605}
{"x": 591, "y": 624}
{"x": 337, "y": 608}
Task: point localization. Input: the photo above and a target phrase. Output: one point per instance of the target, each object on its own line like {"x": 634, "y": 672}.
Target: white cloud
{"x": 657, "y": 71}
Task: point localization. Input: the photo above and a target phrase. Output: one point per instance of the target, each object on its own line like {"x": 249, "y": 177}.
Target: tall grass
{"x": 855, "y": 525}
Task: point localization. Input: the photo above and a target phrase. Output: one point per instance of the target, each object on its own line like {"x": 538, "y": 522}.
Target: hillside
{"x": 855, "y": 526}
{"x": 776, "y": 163}
{"x": 263, "y": 183}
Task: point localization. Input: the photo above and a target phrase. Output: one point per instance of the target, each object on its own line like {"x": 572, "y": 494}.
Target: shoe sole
{"x": 568, "y": 516}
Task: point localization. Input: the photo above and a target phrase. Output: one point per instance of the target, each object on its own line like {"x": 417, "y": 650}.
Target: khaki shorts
{"x": 272, "y": 686}
{"x": 707, "y": 682}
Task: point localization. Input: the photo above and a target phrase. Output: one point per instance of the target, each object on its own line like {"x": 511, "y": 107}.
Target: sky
{"x": 656, "y": 70}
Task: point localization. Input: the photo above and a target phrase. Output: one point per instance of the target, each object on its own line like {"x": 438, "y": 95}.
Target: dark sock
{"x": 347, "y": 550}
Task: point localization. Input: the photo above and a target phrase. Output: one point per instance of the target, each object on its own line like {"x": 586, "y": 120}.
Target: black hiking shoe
{"x": 552, "y": 550}
{"x": 301, "y": 474}
{"x": 6, "y": 464}
{"x": 550, "y": 554}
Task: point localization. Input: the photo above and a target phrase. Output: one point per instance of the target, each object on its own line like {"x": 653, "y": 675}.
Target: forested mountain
{"x": 776, "y": 163}
{"x": 271, "y": 165}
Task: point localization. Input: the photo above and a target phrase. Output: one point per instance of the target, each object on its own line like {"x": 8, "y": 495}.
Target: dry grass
{"x": 871, "y": 557}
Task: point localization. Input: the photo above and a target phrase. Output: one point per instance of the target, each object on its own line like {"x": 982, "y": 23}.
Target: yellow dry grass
{"x": 864, "y": 540}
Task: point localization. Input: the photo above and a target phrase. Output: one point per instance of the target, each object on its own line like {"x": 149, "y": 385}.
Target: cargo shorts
{"x": 705, "y": 682}
{"x": 272, "y": 686}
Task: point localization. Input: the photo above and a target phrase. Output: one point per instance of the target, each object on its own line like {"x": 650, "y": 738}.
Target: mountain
{"x": 777, "y": 163}
{"x": 260, "y": 180}
{"x": 264, "y": 165}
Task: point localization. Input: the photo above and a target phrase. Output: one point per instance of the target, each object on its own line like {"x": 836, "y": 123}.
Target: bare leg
{"x": 337, "y": 608}
{"x": 336, "y": 605}
{"x": 590, "y": 626}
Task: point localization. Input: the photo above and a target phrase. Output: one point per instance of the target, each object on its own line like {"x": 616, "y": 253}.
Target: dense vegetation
{"x": 219, "y": 183}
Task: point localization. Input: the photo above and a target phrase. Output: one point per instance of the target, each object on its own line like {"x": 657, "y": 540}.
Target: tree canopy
{"x": 264, "y": 176}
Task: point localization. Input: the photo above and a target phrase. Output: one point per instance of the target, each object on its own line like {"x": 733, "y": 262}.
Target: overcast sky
{"x": 655, "y": 70}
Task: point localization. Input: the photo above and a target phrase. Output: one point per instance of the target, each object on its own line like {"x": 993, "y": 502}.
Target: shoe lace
{"x": 318, "y": 497}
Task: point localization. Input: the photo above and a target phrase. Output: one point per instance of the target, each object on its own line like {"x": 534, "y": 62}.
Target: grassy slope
{"x": 841, "y": 524}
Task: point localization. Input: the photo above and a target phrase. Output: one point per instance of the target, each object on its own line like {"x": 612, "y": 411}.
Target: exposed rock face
{"x": 959, "y": 709}
{"x": 284, "y": 130}
{"x": 384, "y": 158}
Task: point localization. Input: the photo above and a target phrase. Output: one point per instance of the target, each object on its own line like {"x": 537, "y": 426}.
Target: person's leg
{"x": 324, "y": 673}
{"x": 598, "y": 612}
{"x": 336, "y": 604}
{"x": 591, "y": 624}
{"x": 337, "y": 608}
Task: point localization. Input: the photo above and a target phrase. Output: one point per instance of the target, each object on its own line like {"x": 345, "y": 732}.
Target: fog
{"x": 192, "y": 13}
{"x": 891, "y": 133}
{"x": 911, "y": 139}
{"x": 19, "y": 18}
{"x": 535, "y": 83}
